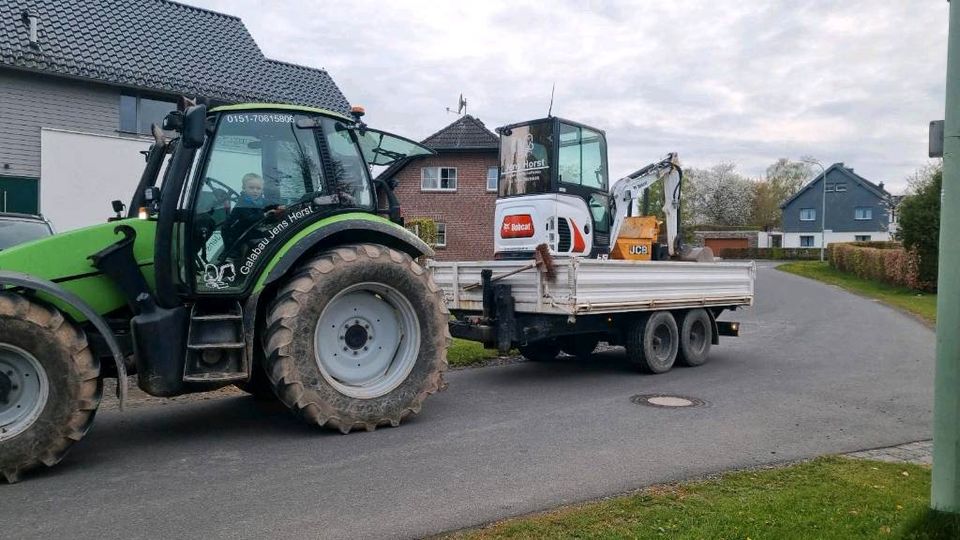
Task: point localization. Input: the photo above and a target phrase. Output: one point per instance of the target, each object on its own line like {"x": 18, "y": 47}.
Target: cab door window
{"x": 262, "y": 172}
{"x": 581, "y": 157}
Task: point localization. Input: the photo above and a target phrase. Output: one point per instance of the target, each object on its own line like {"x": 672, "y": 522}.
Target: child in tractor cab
{"x": 250, "y": 210}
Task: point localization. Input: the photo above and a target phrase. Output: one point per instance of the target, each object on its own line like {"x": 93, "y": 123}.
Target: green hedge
{"x": 886, "y": 262}
{"x": 776, "y": 254}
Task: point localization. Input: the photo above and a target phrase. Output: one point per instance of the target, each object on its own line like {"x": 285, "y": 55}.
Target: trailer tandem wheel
{"x": 696, "y": 336}
{"x": 652, "y": 342}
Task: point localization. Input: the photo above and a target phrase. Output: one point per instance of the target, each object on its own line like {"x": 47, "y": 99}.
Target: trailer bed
{"x": 597, "y": 286}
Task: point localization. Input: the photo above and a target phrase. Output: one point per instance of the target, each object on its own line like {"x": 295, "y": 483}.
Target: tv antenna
{"x": 552, "y": 88}
{"x": 461, "y": 107}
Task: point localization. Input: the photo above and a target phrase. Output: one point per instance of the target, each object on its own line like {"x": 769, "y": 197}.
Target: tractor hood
{"x": 64, "y": 259}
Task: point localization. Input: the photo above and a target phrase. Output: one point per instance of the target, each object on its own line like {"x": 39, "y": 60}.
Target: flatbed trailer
{"x": 660, "y": 310}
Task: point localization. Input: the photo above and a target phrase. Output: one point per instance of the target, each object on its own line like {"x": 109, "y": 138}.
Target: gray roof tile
{"x": 466, "y": 133}
{"x": 157, "y": 45}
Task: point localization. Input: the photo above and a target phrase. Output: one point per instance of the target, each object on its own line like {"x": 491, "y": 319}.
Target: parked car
{"x": 19, "y": 228}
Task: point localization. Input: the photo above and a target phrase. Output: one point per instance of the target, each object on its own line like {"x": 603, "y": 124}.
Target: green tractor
{"x": 260, "y": 259}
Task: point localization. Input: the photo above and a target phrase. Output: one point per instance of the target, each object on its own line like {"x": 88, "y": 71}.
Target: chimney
{"x": 880, "y": 185}
{"x": 31, "y": 18}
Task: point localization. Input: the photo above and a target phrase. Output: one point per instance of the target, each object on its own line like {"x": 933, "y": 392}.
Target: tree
{"x": 919, "y": 227}
{"x": 718, "y": 196}
{"x": 783, "y": 179}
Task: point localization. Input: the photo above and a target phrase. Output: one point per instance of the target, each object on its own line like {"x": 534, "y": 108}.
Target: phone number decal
{"x": 263, "y": 118}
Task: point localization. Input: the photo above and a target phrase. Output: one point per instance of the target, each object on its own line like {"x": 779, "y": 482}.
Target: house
{"x": 457, "y": 188}
{"x": 81, "y": 81}
{"x": 856, "y": 210}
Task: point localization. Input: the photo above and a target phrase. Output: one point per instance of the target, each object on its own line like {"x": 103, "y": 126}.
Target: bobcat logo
{"x": 219, "y": 277}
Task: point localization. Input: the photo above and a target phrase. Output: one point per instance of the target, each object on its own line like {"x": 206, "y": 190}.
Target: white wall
{"x": 792, "y": 240}
{"x": 80, "y": 173}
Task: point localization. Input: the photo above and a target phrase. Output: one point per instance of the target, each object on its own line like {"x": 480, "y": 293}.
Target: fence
{"x": 777, "y": 254}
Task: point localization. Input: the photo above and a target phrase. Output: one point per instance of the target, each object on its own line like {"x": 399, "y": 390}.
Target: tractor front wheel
{"x": 50, "y": 385}
{"x": 357, "y": 338}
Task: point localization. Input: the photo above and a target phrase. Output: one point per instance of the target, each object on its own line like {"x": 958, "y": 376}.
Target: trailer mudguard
{"x": 26, "y": 281}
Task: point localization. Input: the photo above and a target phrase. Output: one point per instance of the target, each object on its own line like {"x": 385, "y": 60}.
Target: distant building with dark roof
{"x": 856, "y": 210}
{"x": 457, "y": 188}
{"x": 108, "y": 69}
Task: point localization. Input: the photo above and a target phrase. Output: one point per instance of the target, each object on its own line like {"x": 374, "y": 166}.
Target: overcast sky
{"x": 742, "y": 81}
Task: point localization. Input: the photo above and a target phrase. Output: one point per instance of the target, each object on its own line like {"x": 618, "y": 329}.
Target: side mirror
{"x": 118, "y": 207}
{"x": 194, "y": 126}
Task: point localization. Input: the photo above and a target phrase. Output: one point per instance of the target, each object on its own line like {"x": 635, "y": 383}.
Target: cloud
{"x": 855, "y": 81}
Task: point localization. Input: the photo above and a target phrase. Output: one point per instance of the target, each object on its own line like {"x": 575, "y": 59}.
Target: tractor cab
{"x": 553, "y": 190}
{"x": 247, "y": 191}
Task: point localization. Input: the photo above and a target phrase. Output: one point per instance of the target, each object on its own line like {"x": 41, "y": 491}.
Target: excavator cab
{"x": 553, "y": 189}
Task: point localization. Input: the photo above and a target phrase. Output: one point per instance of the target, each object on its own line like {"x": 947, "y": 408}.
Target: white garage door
{"x": 80, "y": 173}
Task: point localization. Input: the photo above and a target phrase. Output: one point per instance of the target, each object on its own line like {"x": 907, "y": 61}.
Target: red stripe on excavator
{"x": 579, "y": 246}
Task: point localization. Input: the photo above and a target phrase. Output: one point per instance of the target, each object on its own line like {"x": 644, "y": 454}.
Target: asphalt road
{"x": 815, "y": 371}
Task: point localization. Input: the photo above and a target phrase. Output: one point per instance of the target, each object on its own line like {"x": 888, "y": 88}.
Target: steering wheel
{"x": 222, "y": 195}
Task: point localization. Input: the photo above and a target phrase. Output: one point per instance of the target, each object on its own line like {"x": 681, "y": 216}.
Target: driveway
{"x": 815, "y": 371}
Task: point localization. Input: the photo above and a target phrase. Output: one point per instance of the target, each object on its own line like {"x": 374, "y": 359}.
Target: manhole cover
{"x": 661, "y": 400}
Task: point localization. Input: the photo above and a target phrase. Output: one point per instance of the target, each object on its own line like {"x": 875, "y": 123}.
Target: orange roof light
{"x": 357, "y": 110}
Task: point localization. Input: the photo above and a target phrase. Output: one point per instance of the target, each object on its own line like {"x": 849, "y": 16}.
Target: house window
{"x": 438, "y": 179}
{"x": 138, "y": 112}
{"x": 808, "y": 214}
{"x": 829, "y": 187}
{"x": 841, "y": 187}
{"x": 806, "y": 240}
{"x": 493, "y": 174}
{"x": 861, "y": 238}
{"x": 441, "y": 235}
{"x": 863, "y": 213}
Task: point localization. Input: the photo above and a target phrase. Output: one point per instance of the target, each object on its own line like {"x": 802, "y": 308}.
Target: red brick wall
{"x": 467, "y": 212}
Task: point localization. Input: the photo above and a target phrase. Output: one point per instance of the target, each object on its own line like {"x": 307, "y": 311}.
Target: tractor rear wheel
{"x": 357, "y": 338}
{"x": 50, "y": 385}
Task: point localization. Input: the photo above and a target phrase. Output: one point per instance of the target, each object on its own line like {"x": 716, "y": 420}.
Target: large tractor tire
{"x": 696, "y": 336}
{"x": 357, "y": 338}
{"x": 259, "y": 386}
{"x": 50, "y": 385}
{"x": 653, "y": 342}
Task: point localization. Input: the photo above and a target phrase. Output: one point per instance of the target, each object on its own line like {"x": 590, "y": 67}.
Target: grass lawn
{"x": 465, "y": 353}
{"x": 828, "y": 498}
{"x": 921, "y": 304}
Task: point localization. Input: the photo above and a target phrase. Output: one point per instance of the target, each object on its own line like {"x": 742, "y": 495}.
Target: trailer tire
{"x": 696, "y": 335}
{"x": 50, "y": 384}
{"x": 580, "y": 345}
{"x": 652, "y": 342}
{"x": 544, "y": 350}
{"x": 347, "y": 296}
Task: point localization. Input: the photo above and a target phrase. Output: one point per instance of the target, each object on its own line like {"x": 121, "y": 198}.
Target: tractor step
{"x": 216, "y": 351}
{"x": 206, "y": 346}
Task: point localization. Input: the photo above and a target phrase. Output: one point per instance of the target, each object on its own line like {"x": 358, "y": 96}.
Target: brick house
{"x": 457, "y": 188}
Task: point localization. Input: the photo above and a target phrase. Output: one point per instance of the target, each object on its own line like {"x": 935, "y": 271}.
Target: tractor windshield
{"x": 526, "y": 155}
{"x": 264, "y": 176}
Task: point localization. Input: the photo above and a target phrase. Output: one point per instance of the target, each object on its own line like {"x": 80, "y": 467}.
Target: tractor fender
{"x": 32, "y": 283}
{"x": 349, "y": 231}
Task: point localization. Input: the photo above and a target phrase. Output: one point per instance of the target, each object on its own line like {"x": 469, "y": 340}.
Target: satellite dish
{"x": 461, "y": 105}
